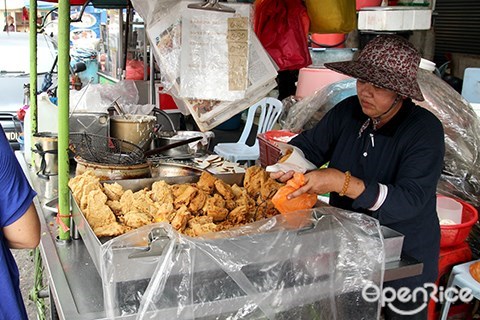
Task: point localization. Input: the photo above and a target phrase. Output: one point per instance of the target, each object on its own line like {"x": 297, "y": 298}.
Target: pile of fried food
{"x": 208, "y": 205}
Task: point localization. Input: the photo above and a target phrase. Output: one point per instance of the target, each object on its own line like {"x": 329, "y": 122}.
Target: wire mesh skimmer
{"x": 105, "y": 150}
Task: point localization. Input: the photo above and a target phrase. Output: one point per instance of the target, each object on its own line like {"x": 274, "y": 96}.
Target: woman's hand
{"x": 323, "y": 181}
{"x": 282, "y": 176}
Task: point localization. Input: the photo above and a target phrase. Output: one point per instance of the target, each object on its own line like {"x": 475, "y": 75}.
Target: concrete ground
{"x": 26, "y": 267}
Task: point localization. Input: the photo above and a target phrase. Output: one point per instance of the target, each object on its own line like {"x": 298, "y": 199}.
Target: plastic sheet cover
{"x": 304, "y": 114}
{"x": 98, "y": 97}
{"x": 271, "y": 269}
{"x": 210, "y": 62}
{"x": 461, "y": 173}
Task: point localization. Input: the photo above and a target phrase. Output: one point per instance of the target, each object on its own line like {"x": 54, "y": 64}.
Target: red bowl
{"x": 279, "y": 135}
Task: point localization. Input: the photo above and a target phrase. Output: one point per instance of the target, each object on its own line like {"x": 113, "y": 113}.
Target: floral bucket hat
{"x": 387, "y": 61}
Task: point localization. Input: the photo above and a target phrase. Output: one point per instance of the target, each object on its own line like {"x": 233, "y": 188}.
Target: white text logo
{"x": 372, "y": 293}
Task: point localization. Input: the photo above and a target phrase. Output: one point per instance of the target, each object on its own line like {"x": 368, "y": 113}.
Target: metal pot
{"x": 45, "y": 149}
{"x": 200, "y": 148}
{"x": 136, "y": 129}
{"x": 113, "y": 171}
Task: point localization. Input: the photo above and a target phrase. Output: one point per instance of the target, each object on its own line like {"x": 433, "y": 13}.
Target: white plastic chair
{"x": 460, "y": 278}
{"x": 271, "y": 109}
{"x": 471, "y": 85}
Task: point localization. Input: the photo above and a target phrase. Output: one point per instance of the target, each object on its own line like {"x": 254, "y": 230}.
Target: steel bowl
{"x": 163, "y": 170}
{"x": 199, "y": 148}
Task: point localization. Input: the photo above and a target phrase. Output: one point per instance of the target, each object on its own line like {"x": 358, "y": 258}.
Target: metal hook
{"x": 157, "y": 240}
{"x": 212, "y": 5}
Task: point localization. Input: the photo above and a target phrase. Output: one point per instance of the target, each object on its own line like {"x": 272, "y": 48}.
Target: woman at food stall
{"x": 19, "y": 229}
{"x": 385, "y": 156}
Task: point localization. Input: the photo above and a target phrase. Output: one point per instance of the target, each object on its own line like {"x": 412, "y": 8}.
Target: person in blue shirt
{"x": 384, "y": 154}
{"x": 19, "y": 229}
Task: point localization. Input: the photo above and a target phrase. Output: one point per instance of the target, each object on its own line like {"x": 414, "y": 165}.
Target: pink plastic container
{"x": 311, "y": 80}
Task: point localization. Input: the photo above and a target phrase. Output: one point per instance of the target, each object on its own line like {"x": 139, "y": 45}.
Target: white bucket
{"x": 449, "y": 210}
{"x": 427, "y": 65}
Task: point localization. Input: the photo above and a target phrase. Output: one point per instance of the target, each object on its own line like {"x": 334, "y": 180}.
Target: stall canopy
{"x": 11, "y": 5}
{"x": 98, "y": 3}
{"x": 41, "y": 5}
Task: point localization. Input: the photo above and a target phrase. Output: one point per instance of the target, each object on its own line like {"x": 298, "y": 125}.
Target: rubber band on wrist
{"x": 346, "y": 183}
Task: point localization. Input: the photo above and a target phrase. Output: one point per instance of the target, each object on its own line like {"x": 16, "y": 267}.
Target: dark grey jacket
{"x": 406, "y": 155}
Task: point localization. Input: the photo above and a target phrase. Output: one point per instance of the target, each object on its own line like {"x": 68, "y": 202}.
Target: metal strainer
{"x": 105, "y": 150}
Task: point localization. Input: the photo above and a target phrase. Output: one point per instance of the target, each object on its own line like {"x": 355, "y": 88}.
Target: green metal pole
{"x": 32, "y": 23}
{"x": 63, "y": 112}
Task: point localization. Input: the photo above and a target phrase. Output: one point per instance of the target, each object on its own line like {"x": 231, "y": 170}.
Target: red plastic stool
{"x": 449, "y": 257}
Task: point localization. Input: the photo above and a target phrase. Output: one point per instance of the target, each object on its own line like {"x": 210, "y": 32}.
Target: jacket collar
{"x": 391, "y": 127}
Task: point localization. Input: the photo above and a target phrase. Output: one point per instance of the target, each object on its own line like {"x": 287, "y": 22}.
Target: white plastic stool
{"x": 240, "y": 151}
{"x": 460, "y": 278}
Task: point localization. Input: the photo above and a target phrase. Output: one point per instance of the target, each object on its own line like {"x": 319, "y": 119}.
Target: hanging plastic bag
{"x": 134, "y": 70}
{"x": 332, "y": 16}
{"x": 282, "y": 28}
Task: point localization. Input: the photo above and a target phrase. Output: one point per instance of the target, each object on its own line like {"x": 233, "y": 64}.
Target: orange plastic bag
{"x": 134, "y": 70}
{"x": 284, "y": 205}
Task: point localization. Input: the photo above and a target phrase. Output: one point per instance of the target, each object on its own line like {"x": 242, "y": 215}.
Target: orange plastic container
{"x": 367, "y": 3}
{"x": 452, "y": 235}
{"x": 279, "y": 135}
{"x": 328, "y": 40}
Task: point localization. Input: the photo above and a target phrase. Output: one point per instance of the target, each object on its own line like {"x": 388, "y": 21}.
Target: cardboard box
{"x": 461, "y": 61}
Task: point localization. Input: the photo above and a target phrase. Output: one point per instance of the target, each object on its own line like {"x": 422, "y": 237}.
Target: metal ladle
{"x": 171, "y": 146}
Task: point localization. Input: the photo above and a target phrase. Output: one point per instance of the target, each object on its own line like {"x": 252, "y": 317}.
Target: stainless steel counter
{"x": 76, "y": 286}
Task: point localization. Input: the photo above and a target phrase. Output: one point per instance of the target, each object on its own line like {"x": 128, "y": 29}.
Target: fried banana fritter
{"x": 210, "y": 205}
{"x": 136, "y": 219}
{"x": 206, "y": 182}
{"x": 113, "y": 191}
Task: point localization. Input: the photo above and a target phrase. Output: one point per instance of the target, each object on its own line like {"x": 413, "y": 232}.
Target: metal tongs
{"x": 212, "y": 5}
{"x": 157, "y": 241}
{"x": 119, "y": 109}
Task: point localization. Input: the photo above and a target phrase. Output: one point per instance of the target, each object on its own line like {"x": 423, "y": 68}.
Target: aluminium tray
{"x": 93, "y": 243}
{"x": 127, "y": 268}
{"x": 145, "y": 266}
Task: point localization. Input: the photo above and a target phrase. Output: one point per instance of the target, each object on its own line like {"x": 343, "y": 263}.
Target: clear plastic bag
{"x": 266, "y": 269}
{"x": 98, "y": 97}
{"x": 305, "y": 113}
{"x": 211, "y": 73}
{"x": 461, "y": 171}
